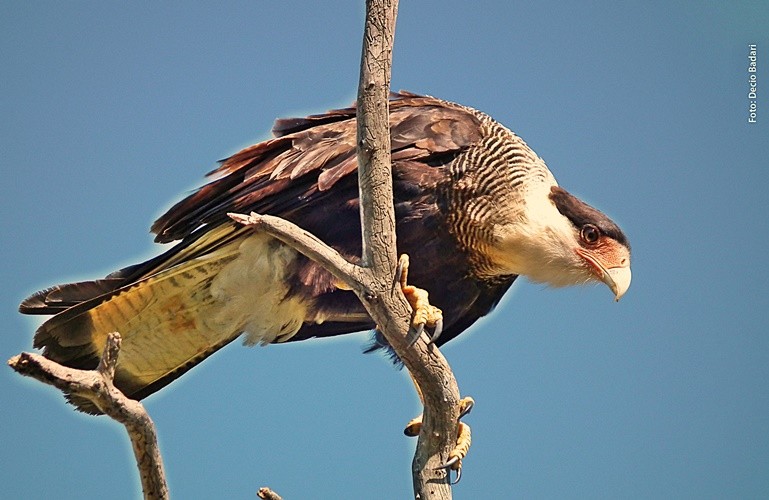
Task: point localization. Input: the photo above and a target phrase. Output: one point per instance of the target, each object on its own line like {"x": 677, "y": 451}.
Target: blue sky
{"x": 111, "y": 112}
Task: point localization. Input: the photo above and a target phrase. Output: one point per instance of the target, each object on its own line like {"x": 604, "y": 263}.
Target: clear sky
{"x": 112, "y": 111}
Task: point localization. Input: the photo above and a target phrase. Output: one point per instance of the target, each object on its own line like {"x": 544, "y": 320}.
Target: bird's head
{"x": 560, "y": 240}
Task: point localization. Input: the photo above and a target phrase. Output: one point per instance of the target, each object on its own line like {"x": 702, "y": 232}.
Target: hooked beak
{"x": 616, "y": 276}
{"x": 618, "y": 280}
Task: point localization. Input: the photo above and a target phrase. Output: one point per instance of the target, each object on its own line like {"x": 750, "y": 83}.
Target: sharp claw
{"x": 453, "y": 460}
{"x": 438, "y": 330}
{"x": 449, "y": 466}
{"x": 398, "y": 273}
{"x": 459, "y": 476}
{"x": 468, "y": 407}
{"x": 412, "y": 430}
{"x": 413, "y": 336}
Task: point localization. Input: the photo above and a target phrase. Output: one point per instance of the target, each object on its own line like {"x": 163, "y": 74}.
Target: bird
{"x": 475, "y": 209}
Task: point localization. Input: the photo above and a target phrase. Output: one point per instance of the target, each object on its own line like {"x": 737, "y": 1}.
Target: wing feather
{"x": 305, "y": 174}
{"x": 313, "y": 154}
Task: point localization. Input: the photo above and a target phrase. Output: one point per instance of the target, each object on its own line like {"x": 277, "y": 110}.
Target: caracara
{"x": 475, "y": 208}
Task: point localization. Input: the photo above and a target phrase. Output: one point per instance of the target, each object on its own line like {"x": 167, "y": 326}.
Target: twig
{"x": 96, "y": 386}
{"x": 308, "y": 244}
{"x": 267, "y": 494}
{"x": 428, "y": 367}
{"x": 372, "y": 282}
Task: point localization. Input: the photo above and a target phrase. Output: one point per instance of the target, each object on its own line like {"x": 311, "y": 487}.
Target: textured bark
{"x": 390, "y": 311}
{"x": 374, "y": 281}
{"x": 96, "y": 385}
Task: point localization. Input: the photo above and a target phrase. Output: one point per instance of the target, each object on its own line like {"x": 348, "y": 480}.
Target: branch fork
{"x": 372, "y": 281}
{"x": 97, "y": 386}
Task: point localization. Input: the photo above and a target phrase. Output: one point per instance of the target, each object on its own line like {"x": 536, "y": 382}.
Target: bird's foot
{"x": 464, "y": 438}
{"x": 423, "y": 313}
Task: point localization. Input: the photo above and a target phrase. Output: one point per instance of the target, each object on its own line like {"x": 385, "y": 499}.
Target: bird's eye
{"x": 590, "y": 233}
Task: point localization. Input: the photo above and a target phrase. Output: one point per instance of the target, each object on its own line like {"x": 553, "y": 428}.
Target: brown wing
{"x": 310, "y": 155}
{"x": 304, "y": 175}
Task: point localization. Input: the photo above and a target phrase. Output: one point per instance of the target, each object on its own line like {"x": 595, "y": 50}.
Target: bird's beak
{"x": 611, "y": 267}
{"x": 618, "y": 280}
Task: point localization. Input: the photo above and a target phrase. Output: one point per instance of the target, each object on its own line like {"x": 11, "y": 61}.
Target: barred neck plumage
{"x": 490, "y": 184}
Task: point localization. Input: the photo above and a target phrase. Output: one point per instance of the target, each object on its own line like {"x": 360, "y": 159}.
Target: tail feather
{"x": 173, "y": 312}
{"x": 60, "y": 297}
{"x": 163, "y": 320}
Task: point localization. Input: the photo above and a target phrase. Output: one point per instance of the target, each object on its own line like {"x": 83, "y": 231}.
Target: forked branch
{"x": 96, "y": 386}
{"x": 373, "y": 280}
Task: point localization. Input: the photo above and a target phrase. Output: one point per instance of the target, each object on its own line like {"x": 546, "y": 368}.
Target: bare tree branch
{"x": 373, "y": 281}
{"x": 307, "y": 244}
{"x": 430, "y": 370}
{"x": 96, "y": 386}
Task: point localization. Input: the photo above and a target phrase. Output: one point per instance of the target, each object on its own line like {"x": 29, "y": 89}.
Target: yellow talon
{"x": 464, "y": 437}
{"x": 341, "y": 285}
{"x": 465, "y": 405}
{"x": 413, "y": 427}
{"x": 423, "y": 313}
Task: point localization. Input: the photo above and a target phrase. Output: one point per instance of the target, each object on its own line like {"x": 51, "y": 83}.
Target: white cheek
{"x": 563, "y": 277}
{"x": 541, "y": 249}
